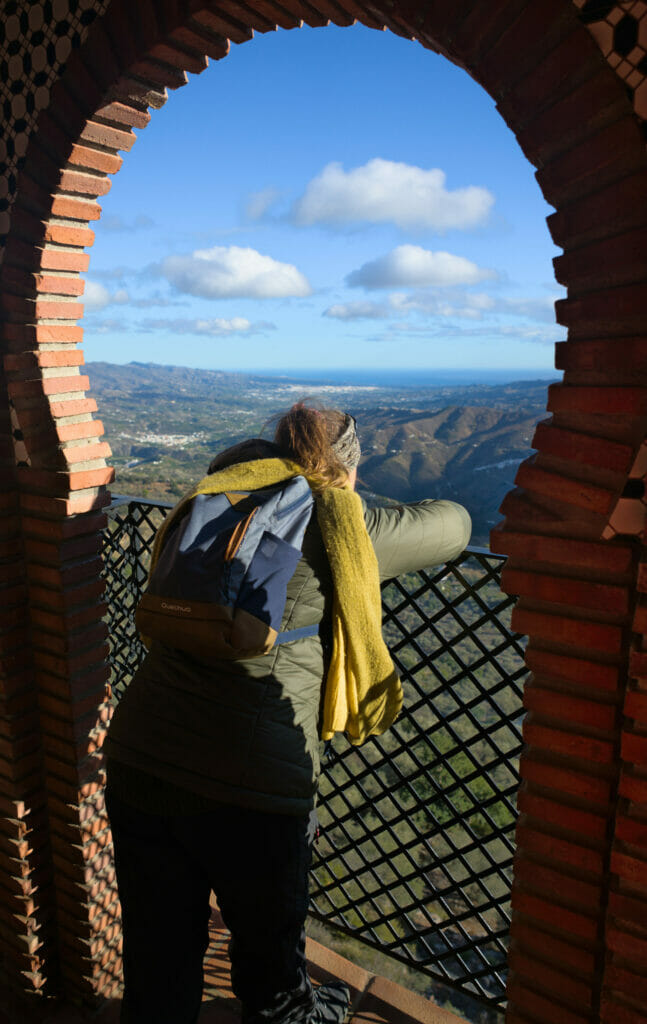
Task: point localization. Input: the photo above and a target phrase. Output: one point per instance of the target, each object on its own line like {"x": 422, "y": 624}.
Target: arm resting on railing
{"x": 417, "y": 536}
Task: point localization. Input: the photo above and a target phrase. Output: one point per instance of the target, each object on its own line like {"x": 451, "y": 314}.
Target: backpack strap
{"x": 296, "y": 634}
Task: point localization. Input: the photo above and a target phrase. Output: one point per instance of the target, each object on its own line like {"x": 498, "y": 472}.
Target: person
{"x": 212, "y": 766}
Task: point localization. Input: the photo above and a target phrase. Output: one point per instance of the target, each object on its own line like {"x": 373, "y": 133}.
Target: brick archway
{"x": 584, "y": 770}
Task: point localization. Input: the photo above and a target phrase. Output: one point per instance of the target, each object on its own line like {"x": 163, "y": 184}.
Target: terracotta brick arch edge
{"x": 579, "y": 947}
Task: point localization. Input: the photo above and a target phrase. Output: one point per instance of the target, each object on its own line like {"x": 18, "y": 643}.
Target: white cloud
{"x": 218, "y": 327}
{"x": 96, "y": 296}
{"x": 385, "y": 191}
{"x": 411, "y": 266}
{"x": 225, "y": 272}
{"x": 434, "y": 305}
{"x": 357, "y": 311}
{"x": 258, "y": 203}
{"x": 465, "y": 305}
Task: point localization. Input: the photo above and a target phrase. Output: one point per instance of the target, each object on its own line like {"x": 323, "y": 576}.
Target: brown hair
{"x": 305, "y": 434}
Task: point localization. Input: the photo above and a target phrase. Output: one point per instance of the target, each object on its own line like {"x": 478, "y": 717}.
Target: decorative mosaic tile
{"x": 620, "y": 30}
{"x": 36, "y": 40}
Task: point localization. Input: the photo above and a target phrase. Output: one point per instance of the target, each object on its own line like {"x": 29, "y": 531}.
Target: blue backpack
{"x": 218, "y": 588}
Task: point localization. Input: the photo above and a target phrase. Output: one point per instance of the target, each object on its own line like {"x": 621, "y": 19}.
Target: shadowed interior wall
{"x": 570, "y": 79}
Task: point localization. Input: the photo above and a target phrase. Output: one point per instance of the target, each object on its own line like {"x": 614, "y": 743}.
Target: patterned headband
{"x": 346, "y": 447}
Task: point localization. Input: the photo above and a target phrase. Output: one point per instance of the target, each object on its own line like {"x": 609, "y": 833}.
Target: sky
{"x": 325, "y": 198}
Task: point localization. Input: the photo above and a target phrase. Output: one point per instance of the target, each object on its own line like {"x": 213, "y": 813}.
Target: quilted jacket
{"x": 246, "y": 732}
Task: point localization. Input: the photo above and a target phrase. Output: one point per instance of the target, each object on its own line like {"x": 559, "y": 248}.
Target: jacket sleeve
{"x": 417, "y": 536}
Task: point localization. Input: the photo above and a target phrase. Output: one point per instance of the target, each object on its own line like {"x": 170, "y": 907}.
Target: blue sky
{"x": 325, "y": 197}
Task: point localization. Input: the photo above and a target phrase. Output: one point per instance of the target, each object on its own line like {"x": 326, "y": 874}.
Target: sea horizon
{"x": 409, "y": 377}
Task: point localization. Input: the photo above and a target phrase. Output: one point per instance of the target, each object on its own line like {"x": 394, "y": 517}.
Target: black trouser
{"x": 257, "y": 864}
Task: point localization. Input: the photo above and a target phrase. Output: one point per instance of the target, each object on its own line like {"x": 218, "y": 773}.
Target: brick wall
{"x": 569, "y": 78}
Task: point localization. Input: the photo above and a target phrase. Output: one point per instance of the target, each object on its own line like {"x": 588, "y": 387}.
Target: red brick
{"x": 620, "y": 310}
{"x": 631, "y": 869}
{"x": 569, "y": 744}
{"x": 564, "y": 66}
{"x": 56, "y": 310}
{"x": 572, "y": 990}
{"x": 629, "y": 946}
{"x": 614, "y": 1012}
{"x": 624, "y": 206}
{"x": 68, "y": 621}
{"x": 85, "y": 184}
{"x": 20, "y": 306}
{"x": 60, "y": 259}
{"x": 544, "y": 700}
{"x": 542, "y": 1007}
{"x": 86, "y": 452}
{"x": 638, "y": 665}
{"x": 555, "y": 812}
{"x": 61, "y": 484}
{"x": 480, "y": 28}
{"x": 178, "y": 58}
{"x": 75, "y": 209}
{"x": 564, "y": 591}
{"x": 613, "y": 152}
{"x": 546, "y": 946}
{"x": 122, "y": 116}
{"x": 597, "y": 636}
{"x": 621, "y": 980}
{"x": 61, "y": 235}
{"x": 509, "y": 58}
{"x": 76, "y": 691}
{"x": 558, "y": 850}
{"x": 631, "y": 831}
{"x": 639, "y": 624}
{"x": 224, "y": 24}
{"x": 215, "y": 46}
{"x": 73, "y": 407}
{"x": 556, "y": 885}
{"x": 95, "y": 159}
{"x": 636, "y": 705}
{"x": 41, "y": 200}
{"x": 77, "y": 431}
{"x": 42, "y": 333}
{"x": 634, "y": 748}
{"x": 633, "y": 787}
{"x": 607, "y": 261}
{"x": 544, "y": 515}
{"x": 79, "y": 533}
{"x": 74, "y": 597}
{"x": 610, "y": 559}
{"x": 160, "y": 75}
{"x": 65, "y": 576}
{"x": 593, "y": 451}
{"x": 49, "y": 386}
{"x": 105, "y": 135}
{"x": 593, "y": 103}
{"x": 597, "y": 500}
{"x": 87, "y": 87}
{"x": 28, "y": 283}
{"x": 60, "y": 507}
{"x": 34, "y": 360}
{"x": 627, "y": 908}
{"x": 69, "y": 666}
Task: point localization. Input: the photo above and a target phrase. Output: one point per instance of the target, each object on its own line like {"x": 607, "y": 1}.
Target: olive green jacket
{"x": 246, "y": 732}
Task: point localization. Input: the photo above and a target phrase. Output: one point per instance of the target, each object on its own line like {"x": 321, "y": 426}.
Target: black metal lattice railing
{"x": 415, "y": 856}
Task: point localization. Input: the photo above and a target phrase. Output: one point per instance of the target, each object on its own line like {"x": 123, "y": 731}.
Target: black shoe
{"x": 331, "y": 1003}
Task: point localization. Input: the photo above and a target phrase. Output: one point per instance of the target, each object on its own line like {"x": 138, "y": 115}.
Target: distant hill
{"x": 467, "y": 453}
{"x": 165, "y": 422}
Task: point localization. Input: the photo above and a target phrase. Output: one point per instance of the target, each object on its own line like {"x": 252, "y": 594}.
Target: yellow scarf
{"x": 363, "y": 695}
